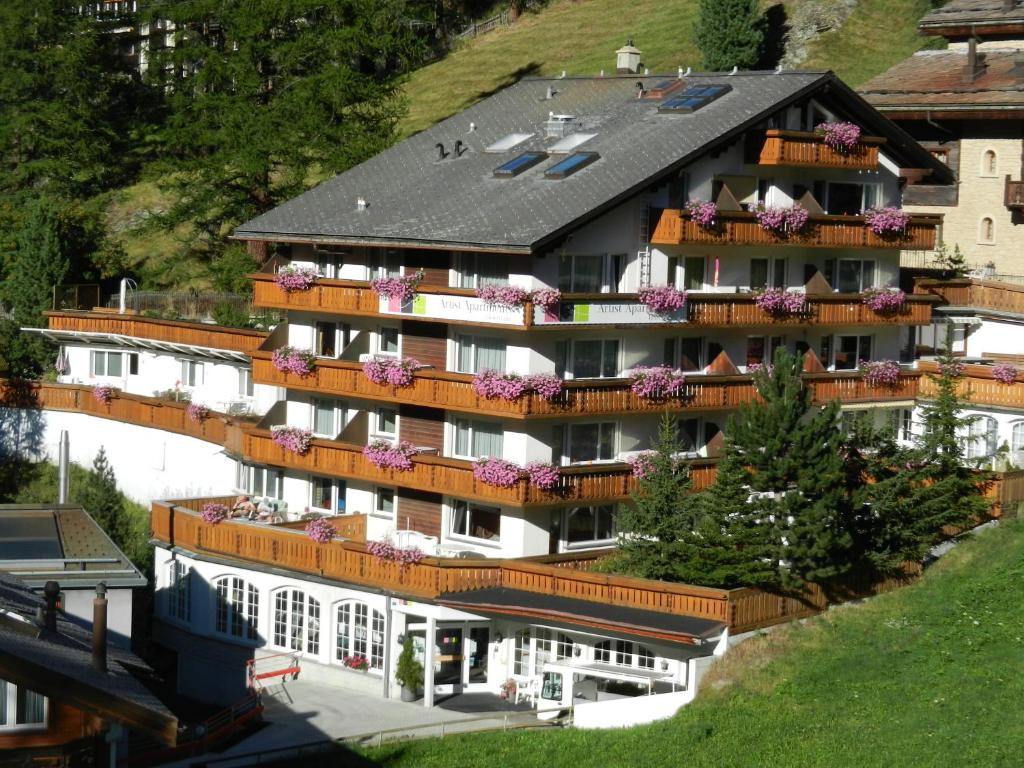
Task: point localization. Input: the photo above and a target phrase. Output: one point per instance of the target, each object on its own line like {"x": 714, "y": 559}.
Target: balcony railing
{"x": 1013, "y": 195}
{"x": 674, "y": 227}
{"x": 976, "y": 294}
{"x": 808, "y": 150}
{"x": 175, "y": 332}
{"x": 976, "y": 386}
{"x": 584, "y": 397}
{"x": 730, "y": 310}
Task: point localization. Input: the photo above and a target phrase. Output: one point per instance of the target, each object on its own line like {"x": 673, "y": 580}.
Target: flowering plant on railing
{"x": 403, "y": 556}
{"x": 320, "y": 530}
{"x": 512, "y": 386}
{"x": 197, "y": 412}
{"x": 213, "y": 513}
{"x": 880, "y": 373}
{"x": 779, "y": 303}
{"x": 357, "y": 662}
{"x": 288, "y": 359}
{"x": 1005, "y": 373}
{"x": 290, "y": 279}
{"x": 954, "y": 369}
{"x": 702, "y": 212}
{"x": 547, "y": 298}
{"x": 767, "y": 368}
{"x": 402, "y": 287}
{"x": 503, "y": 295}
{"x": 543, "y": 475}
{"x": 641, "y": 464}
{"x": 781, "y": 220}
{"x": 103, "y": 394}
{"x": 885, "y": 300}
{"x": 662, "y": 299}
{"x": 291, "y": 438}
{"x": 390, "y": 371}
{"x": 384, "y": 455}
{"x": 656, "y": 383}
{"x": 496, "y": 472}
{"x": 840, "y": 136}
{"x": 888, "y": 221}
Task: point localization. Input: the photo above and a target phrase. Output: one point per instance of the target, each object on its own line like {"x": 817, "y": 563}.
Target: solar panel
{"x": 508, "y": 142}
{"x": 571, "y": 164}
{"x": 518, "y": 164}
{"x": 693, "y": 99}
{"x": 29, "y": 536}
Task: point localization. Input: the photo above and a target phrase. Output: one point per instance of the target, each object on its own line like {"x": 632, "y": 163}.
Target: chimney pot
{"x": 99, "y": 628}
{"x": 51, "y": 591}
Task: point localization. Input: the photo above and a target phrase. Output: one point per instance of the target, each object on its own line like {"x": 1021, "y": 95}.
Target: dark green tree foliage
{"x": 267, "y": 95}
{"x": 730, "y": 33}
{"x": 99, "y": 496}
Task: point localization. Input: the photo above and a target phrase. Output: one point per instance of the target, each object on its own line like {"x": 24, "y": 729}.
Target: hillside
{"x": 929, "y": 675}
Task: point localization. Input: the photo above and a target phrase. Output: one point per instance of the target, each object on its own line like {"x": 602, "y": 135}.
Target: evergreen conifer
{"x": 730, "y": 33}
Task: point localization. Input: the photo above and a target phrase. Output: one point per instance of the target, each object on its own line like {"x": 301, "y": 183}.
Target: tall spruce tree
{"x": 100, "y": 497}
{"x": 730, "y": 33}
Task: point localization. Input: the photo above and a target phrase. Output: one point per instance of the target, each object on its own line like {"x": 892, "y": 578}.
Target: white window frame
{"x": 179, "y": 591}
{"x": 105, "y": 355}
{"x": 286, "y": 634}
{"x": 373, "y": 627}
{"x": 338, "y": 417}
{"x": 877, "y": 187}
{"x": 384, "y": 264}
{"x": 454, "y": 508}
{"x": 336, "y": 499}
{"x": 378, "y": 418}
{"x": 246, "y": 476}
{"x": 193, "y": 372}
{"x": 460, "y": 342}
{"x": 465, "y": 272}
{"x": 10, "y": 690}
{"x": 378, "y": 341}
{"x": 856, "y": 363}
{"x": 567, "y": 431}
{"x": 379, "y": 494}
{"x": 591, "y": 543}
{"x": 236, "y": 608}
{"x": 246, "y": 387}
{"x": 607, "y": 269}
{"x": 982, "y": 439}
{"x": 569, "y": 357}
{"x": 472, "y": 424}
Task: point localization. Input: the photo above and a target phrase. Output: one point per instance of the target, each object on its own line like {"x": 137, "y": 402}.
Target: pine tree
{"x": 730, "y": 33}
{"x": 99, "y": 496}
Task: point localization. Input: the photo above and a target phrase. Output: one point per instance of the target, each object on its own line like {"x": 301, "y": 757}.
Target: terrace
{"x": 976, "y": 386}
{"x": 975, "y": 294}
{"x": 806, "y": 149}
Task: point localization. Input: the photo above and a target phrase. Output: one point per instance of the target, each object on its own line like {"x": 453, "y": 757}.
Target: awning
{"x": 134, "y": 342}
{"x": 611, "y": 672}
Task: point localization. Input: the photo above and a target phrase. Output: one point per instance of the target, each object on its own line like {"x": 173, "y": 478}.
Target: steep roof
{"x": 930, "y": 81}
{"x": 983, "y": 17}
{"x": 416, "y": 199}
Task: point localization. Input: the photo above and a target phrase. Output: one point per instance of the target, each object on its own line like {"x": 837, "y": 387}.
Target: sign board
{"x": 605, "y": 313}
{"x": 466, "y": 308}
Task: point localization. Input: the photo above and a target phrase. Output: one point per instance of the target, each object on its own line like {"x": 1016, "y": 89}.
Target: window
{"x": 237, "y": 609}
{"x": 191, "y": 373}
{"x": 330, "y": 339}
{"x": 603, "y": 652}
{"x": 476, "y": 270}
{"x": 981, "y": 437}
{"x": 179, "y": 591}
{"x": 133, "y": 363}
{"x": 584, "y": 442}
{"x": 296, "y": 621}
{"x": 476, "y": 521}
{"x": 106, "y": 364}
{"x": 686, "y": 273}
{"x": 848, "y": 199}
{"x": 20, "y": 708}
{"x": 850, "y": 350}
{"x": 330, "y": 259}
{"x": 590, "y": 273}
{"x": 475, "y": 439}
{"x": 686, "y": 354}
{"x": 564, "y": 647}
{"x": 384, "y": 264}
{"x": 327, "y": 494}
{"x": 694, "y": 98}
{"x": 942, "y": 155}
{"x": 761, "y": 349}
{"x": 474, "y": 354}
{"x": 259, "y": 481}
{"x": 328, "y": 417}
{"x": 521, "y": 654}
{"x": 850, "y": 275}
{"x": 360, "y": 632}
{"x": 590, "y": 524}
{"x": 587, "y": 359}
{"x": 989, "y": 163}
{"x": 623, "y": 653}
{"x": 387, "y": 341}
{"x": 907, "y": 424}
{"x": 644, "y": 657}
{"x": 519, "y": 164}
{"x": 987, "y": 231}
{"x": 384, "y": 503}
{"x": 1017, "y": 442}
{"x": 245, "y": 387}
{"x": 385, "y": 422}
{"x": 767, "y": 273}
{"x": 577, "y": 161}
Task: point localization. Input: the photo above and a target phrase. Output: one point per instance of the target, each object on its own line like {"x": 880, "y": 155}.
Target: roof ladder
{"x": 644, "y": 256}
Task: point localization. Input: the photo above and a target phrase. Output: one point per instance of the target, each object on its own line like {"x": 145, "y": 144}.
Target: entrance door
{"x": 448, "y": 660}
{"x": 477, "y": 653}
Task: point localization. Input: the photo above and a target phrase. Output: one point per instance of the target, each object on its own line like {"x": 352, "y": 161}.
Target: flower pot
{"x": 409, "y": 695}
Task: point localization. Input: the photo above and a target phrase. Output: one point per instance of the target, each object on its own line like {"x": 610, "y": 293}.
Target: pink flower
{"x": 782, "y": 220}
{"x": 702, "y": 213}
{"x": 402, "y": 288}
{"x": 543, "y": 475}
{"x": 291, "y": 438}
{"x": 547, "y": 298}
{"x": 390, "y": 371}
{"x": 1005, "y": 373}
{"x": 496, "y": 472}
{"x": 953, "y": 369}
{"x": 779, "y": 303}
{"x": 880, "y": 373}
{"x": 103, "y": 394}
{"x": 387, "y": 552}
{"x": 546, "y": 385}
{"x": 300, "y": 362}
{"x": 320, "y": 531}
{"x": 197, "y": 412}
{"x": 384, "y": 455}
{"x": 885, "y": 301}
{"x": 291, "y": 278}
{"x": 503, "y": 295}
{"x": 840, "y": 136}
{"x": 757, "y": 367}
{"x": 511, "y": 386}
{"x": 663, "y": 299}
{"x": 213, "y": 513}
{"x": 656, "y": 383}
{"x": 887, "y": 221}
{"x": 642, "y": 464}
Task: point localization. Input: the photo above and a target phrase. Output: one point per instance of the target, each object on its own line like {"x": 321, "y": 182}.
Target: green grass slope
{"x": 931, "y": 675}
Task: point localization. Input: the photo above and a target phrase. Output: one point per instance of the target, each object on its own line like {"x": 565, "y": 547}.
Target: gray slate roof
{"x": 414, "y": 198}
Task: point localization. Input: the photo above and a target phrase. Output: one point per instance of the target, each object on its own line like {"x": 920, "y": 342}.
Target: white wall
{"x": 78, "y": 603}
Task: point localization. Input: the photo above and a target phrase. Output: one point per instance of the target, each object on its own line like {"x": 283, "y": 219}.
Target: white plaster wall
{"x": 1001, "y": 337}
{"x": 78, "y": 604}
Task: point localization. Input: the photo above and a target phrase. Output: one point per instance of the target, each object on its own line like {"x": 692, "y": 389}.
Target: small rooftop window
{"x": 694, "y": 98}
{"x": 574, "y": 162}
{"x": 508, "y": 142}
{"x": 570, "y": 142}
{"x": 517, "y": 165}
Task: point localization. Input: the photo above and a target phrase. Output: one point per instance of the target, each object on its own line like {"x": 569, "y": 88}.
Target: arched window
{"x": 1017, "y": 443}
{"x": 237, "y": 610}
{"x": 296, "y": 621}
{"x": 360, "y": 632}
{"x": 179, "y": 591}
{"x": 987, "y": 231}
{"x": 989, "y": 163}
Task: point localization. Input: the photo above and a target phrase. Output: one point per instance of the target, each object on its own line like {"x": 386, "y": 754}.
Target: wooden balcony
{"x": 975, "y": 294}
{"x": 806, "y": 149}
{"x": 603, "y": 483}
{"x": 584, "y": 397}
{"x": 1013, "y": 195}
{"x": 674, "y": 227}
{"x": 724, "y": 310}
{"x": 976, "y": 386}
{"x": 172, "y": 331}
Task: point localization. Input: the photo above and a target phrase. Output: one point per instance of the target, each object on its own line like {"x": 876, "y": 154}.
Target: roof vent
{"x": 360, "y": 203}
{"x": 627, "y": 59}
{"x": 559, "y": 126}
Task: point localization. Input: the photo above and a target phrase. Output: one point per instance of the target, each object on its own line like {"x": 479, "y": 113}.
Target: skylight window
{"x": 517, "y": 165}
{"x": 570, "y": 142}
{"x": 574, "y": 162}
{"x": 507, "y": 143}
{"x": 693, "y": 99}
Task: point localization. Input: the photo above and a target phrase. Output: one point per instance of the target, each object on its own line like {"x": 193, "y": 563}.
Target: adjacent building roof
{"x": 40, "y": 542}
{"x": 962, "y": 18}
{"x": 414, "y": 197}
{"x": 59, "y": 664}
{"x": 929, "y": 83}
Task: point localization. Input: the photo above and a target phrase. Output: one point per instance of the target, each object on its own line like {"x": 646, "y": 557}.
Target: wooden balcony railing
{"x": 674, "y": 227}
{"x": 977, "y": 294}
{"x": 722, "y": 310}
{"x": 976, "y": 386}
{"x": 806, "y": 149}
{"x": 589, "y": 397}
{"x": 1013, "y": 195}
{"x": 193, "y": 334}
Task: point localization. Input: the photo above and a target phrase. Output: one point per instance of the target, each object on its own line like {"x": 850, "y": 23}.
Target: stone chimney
{"x": 627, "y": 59}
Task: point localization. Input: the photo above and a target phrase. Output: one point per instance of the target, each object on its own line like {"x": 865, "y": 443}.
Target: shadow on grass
{"x": 527, "y": 70}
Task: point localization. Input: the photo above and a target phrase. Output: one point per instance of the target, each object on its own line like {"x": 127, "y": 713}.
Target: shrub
{"x": 384, "y": 455}
{"x": 547, "y": 298}
{"x": 662, "y": 299}
{"x": 512, "y": 386}
{"x": 290, "y": 279}
{"x": 288, "y": 359}
{"x": 642, "y": 464}
{"x": 387, "y": 552}
{"x": 656, "y": 383}
{"x": 103, "y": 394}
{"x": 356, "y": 662}
{"x": 291, "y": 438}
{"x": 781, "y": 220}
{"x": 954, "y": 369}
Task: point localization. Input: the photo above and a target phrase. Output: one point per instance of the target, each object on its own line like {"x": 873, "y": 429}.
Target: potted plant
{"x": 409, "y": 672}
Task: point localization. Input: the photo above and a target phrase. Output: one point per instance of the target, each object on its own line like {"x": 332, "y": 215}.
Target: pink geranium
{"x": 880, "y": 373}
{"x": 1005, "y": 373}
{"x": 292, "y": 439}
{"x": 402, "y": 287}
{"x": 213, "y": 513}
{"x": 385, "y": 455}
{"x": 840, "y": 136}
{"x": 885, "y": 300}
{"x": 103, "y": 394}
{"x": 287, "y": 359}
{"x": 954, "y": 369}
{"x": 290, "y": 278}
{"x": 702, "y": 213}
{"x": 391, "y": 371}
{"x": 496, "y": 472}
{"x": 546, "y": 385}
{"x": 656, "y": 383}
{"x": 779, "y": 303}
{"x": 387, "y": 552}
{"x": 782, "y": 220}
{"x": 320, "y": 531}
{"x": 197, "y": 412}
{"x": 543, "y": 475}
{"x": 547, "y": 298}
{"x": 503, "y": 295}
{"x": 888, "y": 221}
{"x": 511, "y": 386}
{"x": 641, "y": 464}
{"x": 662, "y": 299}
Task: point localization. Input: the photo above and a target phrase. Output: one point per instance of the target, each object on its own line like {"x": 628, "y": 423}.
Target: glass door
{"x": 449, "y": 658}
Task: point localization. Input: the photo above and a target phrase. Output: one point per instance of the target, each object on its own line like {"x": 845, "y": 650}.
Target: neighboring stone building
{"x": 966, "y": 104}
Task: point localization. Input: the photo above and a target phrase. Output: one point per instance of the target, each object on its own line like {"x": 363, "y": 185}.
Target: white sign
{"x": 605, "y": 313}
{"x": 445, "y": 307}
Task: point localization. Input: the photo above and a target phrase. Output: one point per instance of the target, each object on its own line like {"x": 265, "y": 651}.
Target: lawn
{"x": 929, "y": 675}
